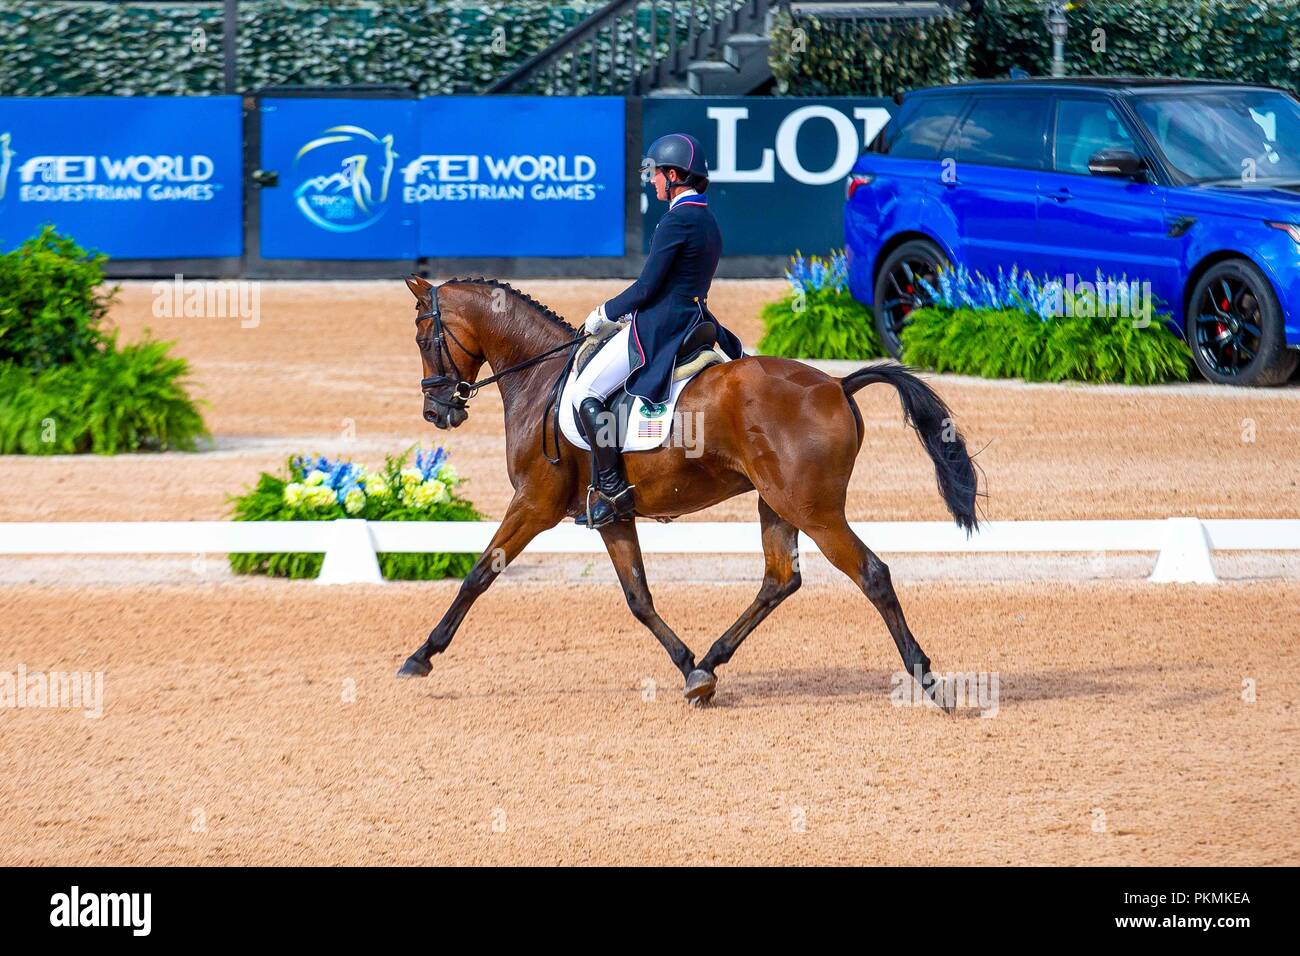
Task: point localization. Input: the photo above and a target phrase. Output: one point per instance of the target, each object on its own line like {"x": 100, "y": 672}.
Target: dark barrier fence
{"x": 359, "y": 182}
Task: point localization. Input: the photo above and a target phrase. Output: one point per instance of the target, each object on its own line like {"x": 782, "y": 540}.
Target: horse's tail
{"x": 930, "y": 418}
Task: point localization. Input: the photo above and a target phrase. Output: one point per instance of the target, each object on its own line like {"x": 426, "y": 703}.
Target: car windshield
{"x": 1227, "y": 137}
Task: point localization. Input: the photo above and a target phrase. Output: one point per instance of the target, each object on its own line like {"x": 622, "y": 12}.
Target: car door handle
{"x": 1062, "y": 195}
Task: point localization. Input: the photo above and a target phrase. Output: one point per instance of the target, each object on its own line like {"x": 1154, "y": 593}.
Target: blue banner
{"x": 135, "y": 177}
{"x": 519, "y": 176}
{"x": 338, "y": 195}
{"x": 444, "y": 176}
{"x": 778, "y": 165}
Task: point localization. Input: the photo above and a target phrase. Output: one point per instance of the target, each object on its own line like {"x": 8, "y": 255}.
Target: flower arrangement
{"x": 1015, "y": 325}
{"x": 815, "y": 274}
{"x": 960, "y": 288}
{"x": 818, "y": 317}
{"x": 321, "y": 489}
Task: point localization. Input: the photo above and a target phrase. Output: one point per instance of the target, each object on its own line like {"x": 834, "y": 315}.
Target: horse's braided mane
{"x": 545, "y": 310}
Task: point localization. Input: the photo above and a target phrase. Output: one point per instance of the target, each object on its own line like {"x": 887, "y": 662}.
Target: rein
{"x": 462, "y": 391}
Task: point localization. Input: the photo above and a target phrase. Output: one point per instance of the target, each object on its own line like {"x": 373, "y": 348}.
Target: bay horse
{"x": 776, "y": 425}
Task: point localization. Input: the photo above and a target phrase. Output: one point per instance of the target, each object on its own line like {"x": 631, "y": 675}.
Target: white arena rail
{"x": 350, "y": 546}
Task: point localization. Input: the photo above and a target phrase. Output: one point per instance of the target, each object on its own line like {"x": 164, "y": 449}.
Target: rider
{"x": 665, "y": 304}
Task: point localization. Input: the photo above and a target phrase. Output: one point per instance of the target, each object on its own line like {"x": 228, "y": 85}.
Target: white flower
{"x": 293, "y": 493}
{"x": 354, "y": 501}
{"x": 316, "y": 477}
{"x": 320, "y": 496}
{"x": 375, "y": 485}
{"x": 432, "y": 492}
{"x": 411, "y": 477}
{"x": 448, "y": 475}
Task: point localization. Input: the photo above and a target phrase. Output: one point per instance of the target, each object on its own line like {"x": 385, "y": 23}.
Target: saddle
{"x": 643, "y": 426}
{"x": 696, "y": 353}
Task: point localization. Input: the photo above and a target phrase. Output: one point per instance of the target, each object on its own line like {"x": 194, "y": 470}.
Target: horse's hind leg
{"x": 846, "y": 551}
{"x": 780, "y": 580}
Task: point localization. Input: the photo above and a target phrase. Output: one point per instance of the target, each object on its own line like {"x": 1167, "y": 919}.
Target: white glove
{"x": 596, "y": 321}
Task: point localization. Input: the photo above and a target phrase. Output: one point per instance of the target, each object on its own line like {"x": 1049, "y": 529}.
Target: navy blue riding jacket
{"x": 670, "y": 296}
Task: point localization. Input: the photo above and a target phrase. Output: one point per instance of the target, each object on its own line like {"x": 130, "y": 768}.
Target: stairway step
{"x": 870, "y": 10}
{"x": 743, "y": 47}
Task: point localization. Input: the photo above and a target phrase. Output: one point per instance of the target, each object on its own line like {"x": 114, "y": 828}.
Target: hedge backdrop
{"x": 444, "y": 46}
{"x": 433, "y": 46}
{"x": 1248, "y": 40}
{"x": 436, "y": 46}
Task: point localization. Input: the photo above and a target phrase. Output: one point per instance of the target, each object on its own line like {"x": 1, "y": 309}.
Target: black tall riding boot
{"x": 610, "y": 496}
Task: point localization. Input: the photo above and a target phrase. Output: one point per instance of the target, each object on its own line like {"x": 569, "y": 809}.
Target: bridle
{"x": 461, "y": 391}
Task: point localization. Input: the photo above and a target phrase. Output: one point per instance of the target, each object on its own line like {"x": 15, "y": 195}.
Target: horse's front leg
{"x": 522, "y": 522}
{"x": 625, "y": 552}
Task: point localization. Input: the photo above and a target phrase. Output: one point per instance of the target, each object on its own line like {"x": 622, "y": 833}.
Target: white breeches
{"x": 607, "y": 370}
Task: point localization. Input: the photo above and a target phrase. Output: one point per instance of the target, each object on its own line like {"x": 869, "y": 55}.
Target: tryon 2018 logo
{"x": 349, "y": 169}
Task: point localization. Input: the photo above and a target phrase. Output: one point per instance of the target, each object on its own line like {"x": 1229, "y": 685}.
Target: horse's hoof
{"x": 414, "y": 667}
{"x": 938, "y": 694}
{"x": 700, "y": 686}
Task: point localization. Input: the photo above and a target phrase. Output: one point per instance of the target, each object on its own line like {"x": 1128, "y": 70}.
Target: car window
{"x": 1002, "y": 131}
{"x": 1084, "y": 127}
{"x": 1228, "y": 136}
{"x": 925, "y": 129}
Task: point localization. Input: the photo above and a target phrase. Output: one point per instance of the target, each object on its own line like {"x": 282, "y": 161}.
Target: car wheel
{"x": 899, "y": 289}
{"x": 1234, "y": 327}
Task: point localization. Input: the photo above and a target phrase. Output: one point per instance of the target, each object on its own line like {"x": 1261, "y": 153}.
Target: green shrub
{"x": 1011, "y": 343}
{"x": 51, "y": 306}
{"x": 65, "y": 386}
{"x": 117, "y": 400}
{"x": 818, "y": 318}
{"x": 323, "y": 490}
{"x": 829, "y": 325}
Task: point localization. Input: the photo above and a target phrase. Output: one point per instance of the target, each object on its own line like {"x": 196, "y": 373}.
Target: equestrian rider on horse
{"x": 665, "y": 303}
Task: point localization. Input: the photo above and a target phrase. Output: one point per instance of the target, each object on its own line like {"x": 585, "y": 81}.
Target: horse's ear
{"x": 418, "y": 285}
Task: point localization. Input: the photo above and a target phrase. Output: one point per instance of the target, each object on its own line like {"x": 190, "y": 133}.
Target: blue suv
{"x": 1191, "y": 186}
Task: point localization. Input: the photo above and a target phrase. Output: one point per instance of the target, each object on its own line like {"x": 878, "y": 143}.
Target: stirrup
{"x": 618, "y": 511}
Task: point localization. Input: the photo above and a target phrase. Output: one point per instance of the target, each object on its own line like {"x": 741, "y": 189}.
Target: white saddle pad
{"x": 647, "y": 428}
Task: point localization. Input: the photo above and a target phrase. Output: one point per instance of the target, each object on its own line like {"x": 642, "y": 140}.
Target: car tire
{"x": 1234, "y": 327}
{"x": 897, "y": 292}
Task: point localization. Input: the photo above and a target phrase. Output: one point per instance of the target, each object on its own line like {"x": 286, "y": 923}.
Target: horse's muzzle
{"x": 444, "y": 416}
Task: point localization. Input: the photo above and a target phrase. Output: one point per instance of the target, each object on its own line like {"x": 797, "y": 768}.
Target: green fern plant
{"x": 1010, "y": 343}
{"x": 66, "y": 387}
{"x": 117, "y": 400}
{"x": 818, "y": 317}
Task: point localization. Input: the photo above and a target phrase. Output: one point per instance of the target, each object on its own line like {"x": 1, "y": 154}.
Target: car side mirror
{"x": 1119, "y": 163}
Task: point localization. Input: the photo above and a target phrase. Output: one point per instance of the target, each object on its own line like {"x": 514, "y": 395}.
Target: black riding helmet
{"x": 681, "y": 152}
